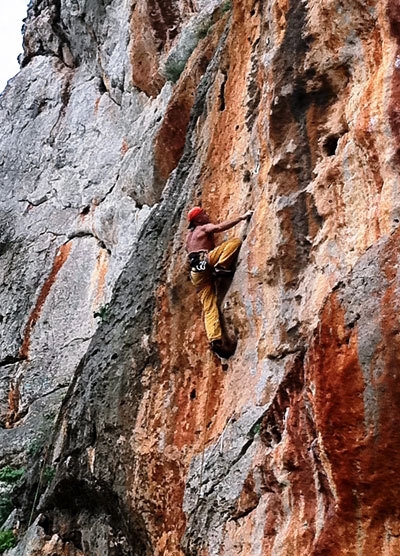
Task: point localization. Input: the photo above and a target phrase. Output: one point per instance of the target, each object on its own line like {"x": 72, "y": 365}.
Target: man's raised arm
{"x": 223, "y": 226}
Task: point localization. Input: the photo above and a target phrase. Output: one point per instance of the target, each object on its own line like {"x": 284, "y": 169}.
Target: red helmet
{"x": 195, "y": 211}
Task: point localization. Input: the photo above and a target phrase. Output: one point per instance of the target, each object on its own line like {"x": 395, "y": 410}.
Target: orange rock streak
{"x": 59, "y": 261}
{"x": 99, "y": 275}
{"x": 13, "y": 405}
{"x": 361, "y": 462}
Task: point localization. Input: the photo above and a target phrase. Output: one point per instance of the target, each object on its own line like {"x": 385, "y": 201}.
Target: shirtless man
{"x": 206, "y": 261}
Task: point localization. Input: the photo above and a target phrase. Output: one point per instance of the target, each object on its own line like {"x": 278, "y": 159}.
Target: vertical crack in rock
{"x": 291, "y": 100}
{"x": 222, "y": 92}
{"x": 253, "y": 88}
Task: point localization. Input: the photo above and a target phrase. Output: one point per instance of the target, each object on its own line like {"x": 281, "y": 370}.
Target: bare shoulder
{"x": 207, "y": 228}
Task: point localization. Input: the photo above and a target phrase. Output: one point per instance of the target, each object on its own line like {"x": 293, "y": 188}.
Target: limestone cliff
{"x": 134, "y": 438}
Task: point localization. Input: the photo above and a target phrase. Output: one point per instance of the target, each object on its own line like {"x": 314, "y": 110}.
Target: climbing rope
{"x": 43, "y": 466}
{"x": 199, "y": 493}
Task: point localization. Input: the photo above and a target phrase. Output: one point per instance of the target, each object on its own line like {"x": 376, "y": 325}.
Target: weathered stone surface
{"x": 124, "y": 115}
{"x": 36, "y": 542}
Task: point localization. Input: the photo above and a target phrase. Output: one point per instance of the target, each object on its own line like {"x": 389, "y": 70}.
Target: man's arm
{"x": 223, "y": 226}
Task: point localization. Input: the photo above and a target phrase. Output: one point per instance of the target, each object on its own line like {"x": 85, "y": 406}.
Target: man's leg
{"x": 205, "y": 287}
{"x": 212, "y": 323}
{"x": 206, "y": 292}
{"x": 224, "y": 256}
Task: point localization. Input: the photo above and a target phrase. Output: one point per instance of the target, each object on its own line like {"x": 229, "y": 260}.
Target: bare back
{"x": 199, "y": 240}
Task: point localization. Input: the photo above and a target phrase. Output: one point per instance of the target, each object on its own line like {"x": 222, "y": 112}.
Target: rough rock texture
{"x": 136, "y": 439}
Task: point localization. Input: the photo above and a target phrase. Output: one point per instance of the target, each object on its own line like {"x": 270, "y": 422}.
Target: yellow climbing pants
{"x": 223, "y": 257}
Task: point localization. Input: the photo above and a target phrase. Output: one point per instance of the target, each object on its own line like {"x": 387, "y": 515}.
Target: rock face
{"x": 136, "y": 439}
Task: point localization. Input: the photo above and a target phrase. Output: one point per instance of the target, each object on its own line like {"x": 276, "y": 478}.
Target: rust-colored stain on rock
{"x": 99, "y": 276}
{"x": 96, "y": 105}
{"x": 171, "y": 137}
{"x": 334, "y": 371}
{"x": 154, "y": 25}
{"x": 361, "y": 459}
{"x": 124, "y": 147}
{"x": 13, "y": 405}
{"x": 59, "y": 261}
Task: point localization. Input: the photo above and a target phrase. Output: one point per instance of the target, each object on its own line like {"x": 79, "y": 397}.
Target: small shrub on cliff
{"x": 173, "y": 69}
{"x": 48, "y": 474}
{"x": 35, "y": 447}
{"x": 7, "y": 540}
{"x": 11, "y": 475}
{"x": 204, "y": 29}
{"x": 103, "y": 313}
{"x": 226, "y": 6}
{"x": 181, "y": 52}
{"x": 255, "y": 430}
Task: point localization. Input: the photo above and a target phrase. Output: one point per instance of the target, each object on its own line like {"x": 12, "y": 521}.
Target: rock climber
{"x": 207, "y": 262}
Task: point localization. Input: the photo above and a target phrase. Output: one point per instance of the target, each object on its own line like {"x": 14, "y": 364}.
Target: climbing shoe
{"x": 219, "y": 349}
{"x": 220, "y": 271}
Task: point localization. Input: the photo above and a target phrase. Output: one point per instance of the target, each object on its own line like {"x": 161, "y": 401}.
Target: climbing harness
{"x": 198, "y": 261}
